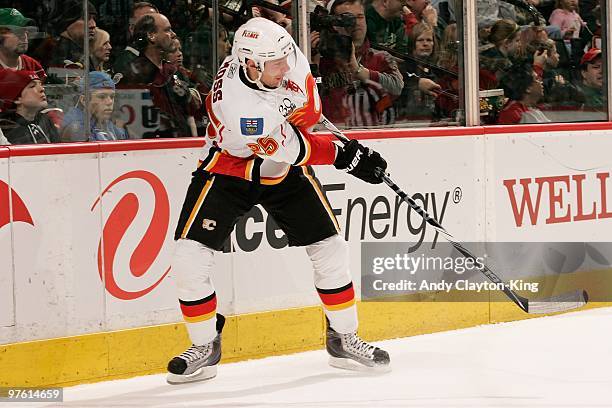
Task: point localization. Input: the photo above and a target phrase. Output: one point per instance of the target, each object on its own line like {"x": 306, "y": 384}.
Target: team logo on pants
{"x": 209, "y": 224}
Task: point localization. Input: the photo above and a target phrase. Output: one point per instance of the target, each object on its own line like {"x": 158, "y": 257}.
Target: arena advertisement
{"x": 136, "y": 110}
{"x": 366, "y": 213}
{"x": 560, "y": 189}
{"x": 6, "y": 261}
{"x": 141, "y": 193}
{"x": 112, "y": 268}
{"x": 96, "y": 254}
{"x": 554, "y": 204}
{"x": 54, "y": 253}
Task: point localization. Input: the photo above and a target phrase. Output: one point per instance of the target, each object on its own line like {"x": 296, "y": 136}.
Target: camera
{"x": 320, "y": 19}
{"x": 332, "y": 44}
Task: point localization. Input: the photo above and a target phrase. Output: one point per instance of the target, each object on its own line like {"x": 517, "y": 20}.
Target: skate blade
{"x": 352, "y": 365}
{"x": 202, "y": 374}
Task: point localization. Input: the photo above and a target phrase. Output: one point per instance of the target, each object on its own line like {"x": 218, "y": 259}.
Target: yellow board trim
{"x": 128, "y": 353}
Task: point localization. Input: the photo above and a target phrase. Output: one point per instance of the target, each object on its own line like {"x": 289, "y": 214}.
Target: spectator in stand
{"x": 558, "y": 88}
{"x": 496, "y": 61}
{"x": 100, "y": 107}
{"x": 448, "y": 55}
{"x": 279, "y": 18}
{"x": 524, "y": 89}
{"x": 446, "y": 12}
{"x": 14, "y": 34}
{"x": 101, "y": 50}
{"x": 422, "y": 42}
{"x": 415, "y": 104}
{"x": 591, "y": 13}
{"x": 447, "y": 102}
{"x": 74, "y": 31}
{"x": 129, "y": 54}
{"x": 527, "y": 37}
{"x": 490, "y": 11}
{"x": 155, "y": 39}
{"x": 566, "y": 17}
{"x": 199, "y": 55}
{"x": 23, "y": 119}
{"x": 385, "y": 24}
{"x": 591, "y": 86}
{"x": 358, "y": 87}
{"x": 417, "y": 11}
{"x": 196, "y": 116}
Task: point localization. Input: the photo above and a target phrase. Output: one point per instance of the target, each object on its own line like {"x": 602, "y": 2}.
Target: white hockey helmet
{"x": 262, "y": 40}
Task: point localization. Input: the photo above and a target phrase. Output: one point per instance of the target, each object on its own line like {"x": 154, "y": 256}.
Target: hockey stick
{"x": 565, "y": 301}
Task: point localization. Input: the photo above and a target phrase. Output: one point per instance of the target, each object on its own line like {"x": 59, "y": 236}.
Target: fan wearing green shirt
{"x": 385, "y": 24}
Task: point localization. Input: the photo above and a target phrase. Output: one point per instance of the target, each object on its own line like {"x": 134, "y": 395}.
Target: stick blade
{"x": 560, "y": 303}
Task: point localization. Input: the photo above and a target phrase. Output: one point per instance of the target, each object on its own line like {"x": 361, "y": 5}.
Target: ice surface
{"x": 560, "y": 361}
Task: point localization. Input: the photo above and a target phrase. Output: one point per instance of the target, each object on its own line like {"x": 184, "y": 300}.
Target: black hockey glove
{"x": 361, "y": 162}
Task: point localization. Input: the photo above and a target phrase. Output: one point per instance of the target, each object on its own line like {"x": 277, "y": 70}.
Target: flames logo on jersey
{"x": 310, "y": 113}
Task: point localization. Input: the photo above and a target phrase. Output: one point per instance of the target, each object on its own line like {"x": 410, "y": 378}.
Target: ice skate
{"x": 198, "y": 362}
{"x": 348, "y": 351}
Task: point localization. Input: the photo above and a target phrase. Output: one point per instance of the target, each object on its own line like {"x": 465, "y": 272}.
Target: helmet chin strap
{"x": 257, "y": 82}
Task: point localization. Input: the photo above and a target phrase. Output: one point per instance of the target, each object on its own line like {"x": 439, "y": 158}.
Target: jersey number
{"x": 264, "y": 146}
{"x": 217, "y": 93}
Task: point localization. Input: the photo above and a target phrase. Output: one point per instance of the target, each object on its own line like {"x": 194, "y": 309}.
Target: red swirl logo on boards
{"x": 19, "y": 210}
{"x": 150, "y": 245}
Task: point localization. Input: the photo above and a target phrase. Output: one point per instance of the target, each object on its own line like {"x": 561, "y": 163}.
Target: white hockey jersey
{"x": 255, "y": 132}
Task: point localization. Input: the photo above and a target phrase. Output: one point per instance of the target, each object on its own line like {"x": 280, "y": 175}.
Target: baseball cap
{"x": 12, "y": 83}
{"x": 97, "y": 80}
{"x": 590, "y": 56}
{"x": 10, "y": 17}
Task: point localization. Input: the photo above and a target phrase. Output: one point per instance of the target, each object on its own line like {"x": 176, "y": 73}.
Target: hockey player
{"x": 258, "y": 151}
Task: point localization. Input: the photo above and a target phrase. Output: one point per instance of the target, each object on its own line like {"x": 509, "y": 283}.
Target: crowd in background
{"x": 380, "y": 63}
{"x": 536, "y": 58}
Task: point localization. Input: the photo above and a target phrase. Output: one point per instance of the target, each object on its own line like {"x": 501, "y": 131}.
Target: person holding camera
{"x": 359, "y": 84}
